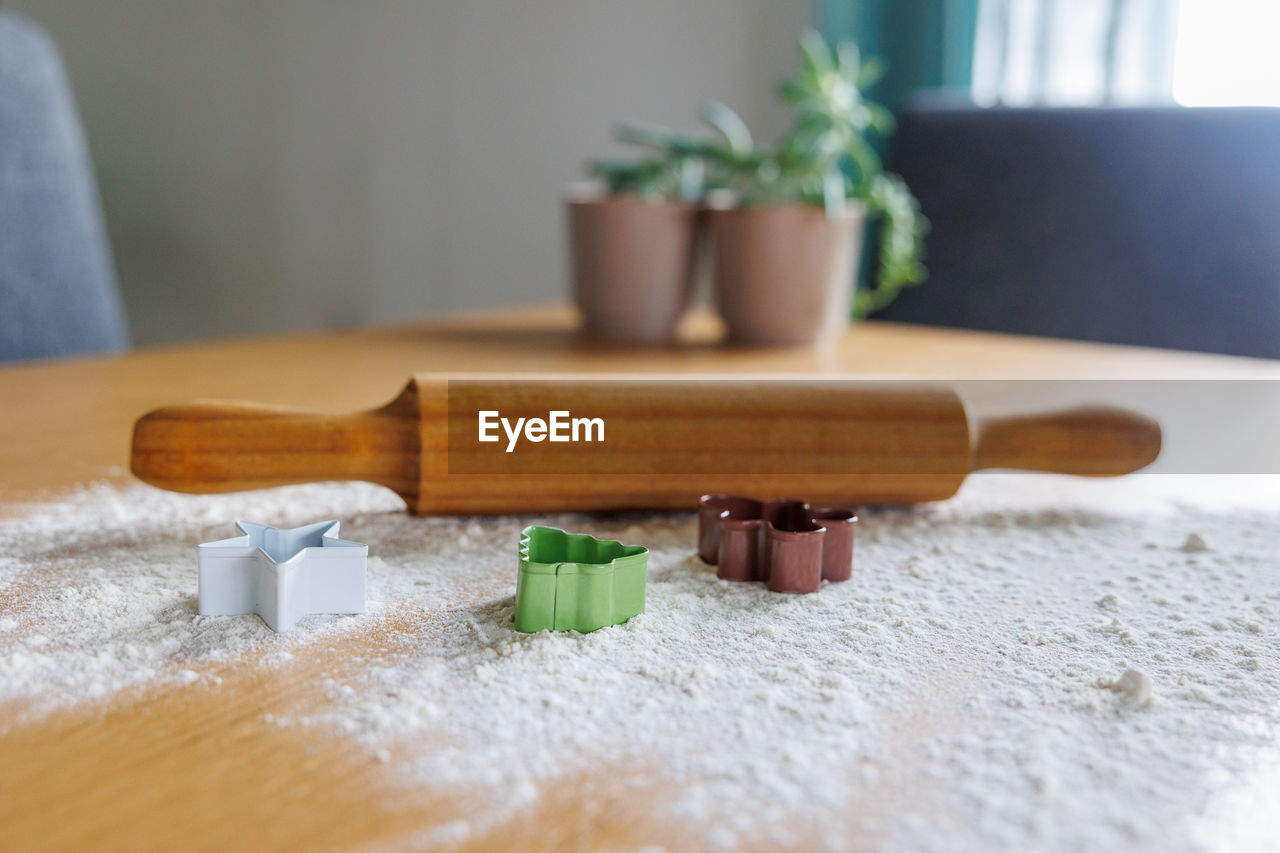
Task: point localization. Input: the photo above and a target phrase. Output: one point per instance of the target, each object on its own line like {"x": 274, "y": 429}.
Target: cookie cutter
{"x": 576, "y": 582}
{"x": 787, "y": 544}
{"x": 282, "y": 575}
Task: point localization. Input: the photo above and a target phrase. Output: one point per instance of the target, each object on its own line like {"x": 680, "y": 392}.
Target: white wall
{"x": 278, "y": 164}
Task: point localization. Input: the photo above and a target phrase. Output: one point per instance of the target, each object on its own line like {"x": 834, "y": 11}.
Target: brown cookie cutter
{"x": 787, "y": 544}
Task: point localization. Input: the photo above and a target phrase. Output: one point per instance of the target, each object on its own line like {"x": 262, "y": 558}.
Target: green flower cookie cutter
{"x": 576, "y": 582}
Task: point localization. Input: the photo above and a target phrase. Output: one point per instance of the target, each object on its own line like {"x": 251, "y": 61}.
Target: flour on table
{"x": 1195, "y": 544}
{"x": 948, "y": 696}
{"x": 1134, "y": 686}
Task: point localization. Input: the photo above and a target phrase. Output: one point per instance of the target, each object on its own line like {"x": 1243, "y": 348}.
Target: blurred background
{"x": 289, "y": 164}
{"x": 297, "y": 164}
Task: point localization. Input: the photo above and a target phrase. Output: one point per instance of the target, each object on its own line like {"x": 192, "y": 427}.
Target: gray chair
{"x": 58, "y": 291}
{"x": 1158, "y": 226}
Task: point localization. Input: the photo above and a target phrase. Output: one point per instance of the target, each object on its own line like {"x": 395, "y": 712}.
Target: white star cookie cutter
{"x": 282, "y": 575}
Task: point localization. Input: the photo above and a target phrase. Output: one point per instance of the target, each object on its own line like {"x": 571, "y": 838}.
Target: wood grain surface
{"x": 200, "y": 768}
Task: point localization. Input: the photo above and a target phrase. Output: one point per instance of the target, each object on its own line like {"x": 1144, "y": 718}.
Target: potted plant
{"x": 787, "y": 252}
{"x": 788, "y": 221}
{"x": 632, "y": 247}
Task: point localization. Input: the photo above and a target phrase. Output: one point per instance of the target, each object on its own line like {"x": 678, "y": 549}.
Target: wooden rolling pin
{"x": 664, "y": 442}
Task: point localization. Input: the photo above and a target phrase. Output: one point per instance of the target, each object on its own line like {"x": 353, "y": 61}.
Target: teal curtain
{"x": 926, "y": 44}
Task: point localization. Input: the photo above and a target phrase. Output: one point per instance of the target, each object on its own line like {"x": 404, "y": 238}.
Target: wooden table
{"x": 202, "y": 770}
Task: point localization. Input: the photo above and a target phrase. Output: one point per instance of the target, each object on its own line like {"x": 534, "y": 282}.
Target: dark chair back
{"x": 58, "y": 291}
{"x": 1158, "y": 227}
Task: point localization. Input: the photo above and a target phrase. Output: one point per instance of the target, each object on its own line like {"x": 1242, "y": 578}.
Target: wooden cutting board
{"x": 665, "y": 441}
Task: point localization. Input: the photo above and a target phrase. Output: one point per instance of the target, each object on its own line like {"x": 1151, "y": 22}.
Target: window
{"x": 1226, "y": 53}
{"x": 1087, "y": 52}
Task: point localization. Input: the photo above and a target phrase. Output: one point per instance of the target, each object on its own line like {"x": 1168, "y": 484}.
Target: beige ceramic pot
{"x": 784, "y": 274}
{"x": 632, "y": 265}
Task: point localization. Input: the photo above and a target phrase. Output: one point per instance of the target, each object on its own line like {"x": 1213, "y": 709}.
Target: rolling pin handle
{"x": 1091, "y": 441}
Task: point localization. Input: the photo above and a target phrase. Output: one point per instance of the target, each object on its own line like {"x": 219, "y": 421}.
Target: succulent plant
{"x": 826, "y": 159}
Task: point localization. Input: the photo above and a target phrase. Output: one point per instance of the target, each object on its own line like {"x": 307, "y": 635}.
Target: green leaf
{"x": 816, "y": 56}
{"x": 902, "y": 231}
{"x": 644, "y": 134}
{"x": 833, "y": 197}
{"x": 865, "y": 160}
{"x": 860, "y": 117}
{"x": 807, "y": 128}
{"x": 882, "y": 121}
{"x": 729, "y": 125}
{"x": 871, "y": 72}
{"x": 848, "y": 61}
{"x": 690, "y": 179}
{"x": 792, "y": 92}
